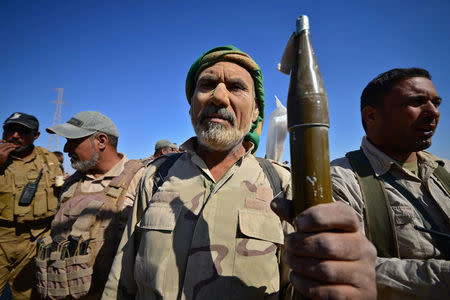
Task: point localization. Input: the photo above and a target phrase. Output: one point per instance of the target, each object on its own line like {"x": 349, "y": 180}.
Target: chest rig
{"x": 15, "y": 175}
{"x": 85, "y": 234}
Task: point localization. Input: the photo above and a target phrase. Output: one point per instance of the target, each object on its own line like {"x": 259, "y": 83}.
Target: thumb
{"x": 283, "y": 208}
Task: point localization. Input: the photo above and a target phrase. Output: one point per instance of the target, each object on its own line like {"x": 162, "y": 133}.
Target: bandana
{"x": 231, "y": 54}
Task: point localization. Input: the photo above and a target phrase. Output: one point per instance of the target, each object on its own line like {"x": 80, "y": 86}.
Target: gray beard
{"x": 87, "y": 164}
{"x": 216, "y": 136}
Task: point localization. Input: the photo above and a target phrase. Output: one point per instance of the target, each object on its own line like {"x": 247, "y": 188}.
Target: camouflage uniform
{"x": 96, "y": 209}
{"x": 200, "y": 239}
{"x": 422, "y": 271}
{"x": 20, "y": 226}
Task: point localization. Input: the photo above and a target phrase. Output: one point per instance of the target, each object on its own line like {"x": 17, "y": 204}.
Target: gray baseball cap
{"x": 164, "y": 143}
{"x": 84, "y": 124}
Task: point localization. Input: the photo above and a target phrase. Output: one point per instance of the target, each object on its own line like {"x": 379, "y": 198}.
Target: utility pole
{"x": 56, "y": 119}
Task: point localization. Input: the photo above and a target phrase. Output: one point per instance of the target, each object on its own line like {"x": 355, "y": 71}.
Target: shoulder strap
{"x": 120, "y": 183}
{"x": 268, "y": 169}
{"x": 163, "y": 169}
{"x": 41, "y": 157}
{"x": 378, "y": 215}
{"x": 272, "y": 176}
{"x": 444, "y": 177}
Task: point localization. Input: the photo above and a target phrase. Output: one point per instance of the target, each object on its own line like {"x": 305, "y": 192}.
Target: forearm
{"x": 424, "y": 279}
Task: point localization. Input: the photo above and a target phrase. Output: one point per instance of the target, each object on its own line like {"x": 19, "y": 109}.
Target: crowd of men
{"x": 214, "y": 221}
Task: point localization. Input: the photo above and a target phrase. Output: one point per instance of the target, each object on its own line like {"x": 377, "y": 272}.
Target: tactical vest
{"x": 86, "y": 232}
{"x": 13, "y": 178}
{"x": 378, "y": 216}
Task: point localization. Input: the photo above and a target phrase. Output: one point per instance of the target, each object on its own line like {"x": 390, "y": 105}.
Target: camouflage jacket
{"x": 200, "y": 239}
{"x": 421, "y": 272}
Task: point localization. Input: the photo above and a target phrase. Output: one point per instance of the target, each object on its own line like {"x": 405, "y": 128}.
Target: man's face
{"x": 19, "y": 135}
{"x": 166, "y": 150}
{"x": 223, "y": 106}
{"x": 60, "y": 158}
{"x": 408, "y": 117}
{"x": 82, "y": 152}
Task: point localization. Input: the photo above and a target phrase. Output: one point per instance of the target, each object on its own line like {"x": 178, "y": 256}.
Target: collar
{"x": 27, "y": 159}
{"x": 382, "y": 163}
{"x": 113, "y": 172}
{"x": 191, "y": 144}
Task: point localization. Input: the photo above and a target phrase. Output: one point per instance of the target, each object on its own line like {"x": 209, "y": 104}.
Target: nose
{"x": 15, "y": 133}
{"x": 66, "y": 147}
{"x": 431, "y": 110}
{"x": 220, "y": 95}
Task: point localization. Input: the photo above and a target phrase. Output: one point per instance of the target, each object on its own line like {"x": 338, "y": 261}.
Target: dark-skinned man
{"x": 398, "y": 189}
{"x": 24, "y": 216}
{"x": 95, "y": 203}
{"x": 208, "y": 231}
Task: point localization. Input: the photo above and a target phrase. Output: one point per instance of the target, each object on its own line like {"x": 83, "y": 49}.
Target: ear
{"x": 255, "y": 113}
{"x": 36, "y": 135}
{"x": 102, "y": 141}
{"x": 371, "y": 116}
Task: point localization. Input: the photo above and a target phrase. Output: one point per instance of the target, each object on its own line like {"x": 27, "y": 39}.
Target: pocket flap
{"x": 32, "y": 175}
{"x": 160, "y": 216}
{"x": 261, "y": 225}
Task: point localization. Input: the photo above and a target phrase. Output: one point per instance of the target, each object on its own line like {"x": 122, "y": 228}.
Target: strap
{"x": 444, "y": 177}
{"x": 441, "y": 243}
{"x": 378, "y": 214}
{"x": 161, "y": 172}
{"x": 41, "y": 153}
{"x": 272, "y": 175}
{"x": 268, "y": 169}
{"x": 120, "y": 183}
{"x": 58, "y": 292}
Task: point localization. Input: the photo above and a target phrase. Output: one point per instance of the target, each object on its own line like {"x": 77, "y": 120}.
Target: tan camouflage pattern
{"x": 192, "y": 243}
{"x": 21, "y": 225}
{"x": 421, "y": 273}
{"x": 100, "y": 216}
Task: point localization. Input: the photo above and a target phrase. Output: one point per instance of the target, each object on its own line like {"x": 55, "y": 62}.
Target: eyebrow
{"x": 207, "y": 77}
{"x": 424, "y": 96}
{"x": 236, "y": 80}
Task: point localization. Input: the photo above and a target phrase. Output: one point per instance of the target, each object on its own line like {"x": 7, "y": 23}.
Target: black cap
{"x": 23, "y": 119}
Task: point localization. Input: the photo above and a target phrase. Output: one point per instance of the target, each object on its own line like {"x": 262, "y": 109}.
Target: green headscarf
{"x": 231, "y": 54}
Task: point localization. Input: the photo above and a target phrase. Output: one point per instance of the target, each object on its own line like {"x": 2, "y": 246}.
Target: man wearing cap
{"x": 163, "y": 147}
{"x": 208, "y": 232}
{"x": 95, "y": 203}
{"x": 28, "y": 201}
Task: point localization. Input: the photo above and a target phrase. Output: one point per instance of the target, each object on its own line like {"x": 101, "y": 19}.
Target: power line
{"x": 56, "y": 119}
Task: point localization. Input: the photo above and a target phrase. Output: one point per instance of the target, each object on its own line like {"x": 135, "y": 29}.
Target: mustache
{"x": 214, "y": 111}
{"x": 14, "y": 141}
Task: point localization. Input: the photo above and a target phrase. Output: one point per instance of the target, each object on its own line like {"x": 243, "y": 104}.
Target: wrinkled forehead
{"x": 226, "y": 70}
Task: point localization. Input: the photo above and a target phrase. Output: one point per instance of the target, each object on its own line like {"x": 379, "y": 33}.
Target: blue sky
{"x": 129, "y": 59}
